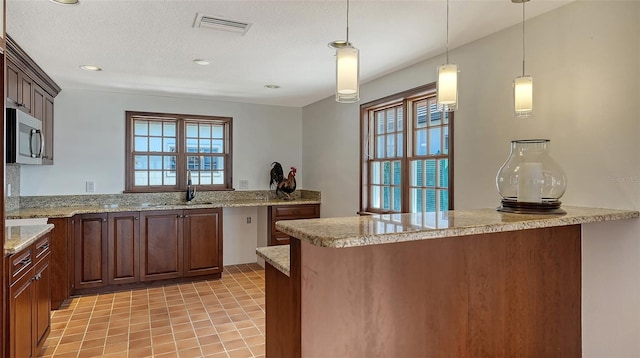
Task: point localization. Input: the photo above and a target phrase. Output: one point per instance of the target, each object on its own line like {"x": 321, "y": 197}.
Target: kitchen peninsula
{"x": 451, "y": 284}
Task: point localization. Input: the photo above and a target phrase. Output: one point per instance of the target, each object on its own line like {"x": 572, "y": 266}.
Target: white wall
{"x": 240, "y": 238}
{"x": 89, "y": 140}
{"x": 585, "y": 61}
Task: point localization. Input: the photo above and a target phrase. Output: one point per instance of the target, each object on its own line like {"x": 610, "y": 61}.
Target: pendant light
{"x": 523, "y": 85}
{"x": 347, "y": 69}
{"x": 447, "y": 84}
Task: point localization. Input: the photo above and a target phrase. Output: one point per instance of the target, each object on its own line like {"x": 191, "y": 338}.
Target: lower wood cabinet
{"x": 62, "y": 254}
{"x": 288, "y": 212}
{"x": 29, "y": 303}
{"x": 133, "y": 247}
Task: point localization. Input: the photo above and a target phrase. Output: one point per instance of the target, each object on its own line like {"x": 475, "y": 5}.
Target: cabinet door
{"x": 25, "y": 93}
{"x": 161, "y": 245}
{"x": 13, "y": 83}
{"x": 203, "y": 241}
{"x": 123, "y": 247}
{"x": 21, "y": 320}
{"x": 288, "y": 212}
{"x": 59, "y": 260}
{"x": 90, "y": 251}
{"x": 42, "y": 300}
{"x": 47, "y": 129}
{"x": 37, "y": 108}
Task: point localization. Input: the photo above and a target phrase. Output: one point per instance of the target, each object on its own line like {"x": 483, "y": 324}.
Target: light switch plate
{"x": 91, "y": 186}
{"x": 243, "y": 184}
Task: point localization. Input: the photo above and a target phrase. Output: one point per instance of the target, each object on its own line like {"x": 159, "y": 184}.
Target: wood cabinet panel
{"x": 61, "y": 255}
{"x": 47, "y": 129}
{"x": 13, "y": 83}
{"x": 203, "y": 241}
{"x": 42, "y": 301}
{"x": 26, "y": 93}
{"x": 123, "y": 247}
{"x": 21, "y": 320}
{"x": 161, "y": 245}
{"x": 288, "y": 212}
{"x": 37, "y": 108}
{"x": 91, "y": 250}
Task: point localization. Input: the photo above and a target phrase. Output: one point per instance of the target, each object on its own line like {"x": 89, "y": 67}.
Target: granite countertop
{"x": 382, "y": 229}
{"x": 277, "y": 256}
{"x": 19, "y": 237}
{"x": 69, "y": 211}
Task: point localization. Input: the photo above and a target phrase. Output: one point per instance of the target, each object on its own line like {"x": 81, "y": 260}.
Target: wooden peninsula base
{"x": 502, "y": 294}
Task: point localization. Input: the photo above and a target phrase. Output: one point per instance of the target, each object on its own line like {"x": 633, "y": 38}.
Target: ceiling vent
{"x": 217, "y": 23}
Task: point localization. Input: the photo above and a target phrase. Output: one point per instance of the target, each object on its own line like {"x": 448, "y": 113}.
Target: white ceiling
{"x": 148, "y": 45}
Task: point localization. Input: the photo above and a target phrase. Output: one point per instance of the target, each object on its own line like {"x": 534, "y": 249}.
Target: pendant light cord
{"x": 347, "y": 23}
{"x": 523, "y": 38}
{"x": 447, "y": 31}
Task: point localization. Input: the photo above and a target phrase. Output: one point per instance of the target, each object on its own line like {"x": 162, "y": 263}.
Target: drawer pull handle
{"x": 44, "y": 246}
{"x": 25, "y": 261}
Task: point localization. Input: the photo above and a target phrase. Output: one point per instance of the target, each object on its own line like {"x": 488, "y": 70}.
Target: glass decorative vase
{"x": 530, "y": 182}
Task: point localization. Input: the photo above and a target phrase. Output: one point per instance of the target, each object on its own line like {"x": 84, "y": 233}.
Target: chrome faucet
{"x": 191, "y": 192}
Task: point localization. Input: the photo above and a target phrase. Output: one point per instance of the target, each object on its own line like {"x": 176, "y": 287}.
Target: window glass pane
{"x": 140, "y": 128}
{"x": 169, "y": 162}
{"x": 192, "y": 164}
{"x": 192, "y": 145}
{"x": 416, "y": 173}
{"x": 444, "y": 200}
{"x": 397, "y": 173}
{"x": 155, "y": 144}
{"x": 434, "y": 141}
{"x": 205, "y": 178}
{"x": 375, "y": 196}
{"x": 399, "y": 151}
{"x": 205, "y": 131}
{"x": 386, "y": 172}
{"x": 446, "y": 140}
{"x": 155, "y": 162}
{"x": 380, "y": 147}
{"x": 169, "y": 129}
{"x": 400, "y": 119}
{"x": 421, "y": 142}
{"x": 391, "y": 146}
{"x": 217, "y": 146}
{"x": 169, "y": 145}
{"x": 169, "y": 177}
{"x": 430, "y": 166}
{"x": 386, "y": 197}
{"x": 141, "y": 178}
{"x": 192, "y": 130}
{"x": 218, "y": 163}
{"x": 446, "y": 118}
{"x": 155, "y": 128}
{"x": 391, "y": 120}
{"x": 380, "y": 122}
{"x": 217, "y": 131}
{"x": 141, "y": 162}
{"x": 443, "y": 173}
{"x": 397, "y": 205}
{"x": 218, "y": 177}
{"x": 205, "y": 146}
{"x": 430, "y": 200}
{"x": 416, "y": 200}
{"x": 375, "y": 173}
{"x": 435, "y": 115}
{"x": 141, "y": 144}
{"x": 155, "y": 177}
{"x": 421, "y": 114}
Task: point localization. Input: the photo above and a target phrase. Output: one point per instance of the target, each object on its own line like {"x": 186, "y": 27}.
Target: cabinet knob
{"x": 104, "y": 220}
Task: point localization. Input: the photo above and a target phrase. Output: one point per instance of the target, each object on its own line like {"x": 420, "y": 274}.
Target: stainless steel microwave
{"x": 25, "y": 141}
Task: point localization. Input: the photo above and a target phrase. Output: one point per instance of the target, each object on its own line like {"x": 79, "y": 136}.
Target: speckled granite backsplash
{"x": 12, "y": 172}
{"x": 153, "y": 198}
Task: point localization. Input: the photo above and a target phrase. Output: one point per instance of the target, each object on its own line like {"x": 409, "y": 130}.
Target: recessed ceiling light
{"x": 272, "y": 86}
{"x": 90, "y": 68}
{"x": 202, "y": 61}
{"x": 66, "y": 2}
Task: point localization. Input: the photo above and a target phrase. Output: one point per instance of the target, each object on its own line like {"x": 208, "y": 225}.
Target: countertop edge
{"x": 70, "y": 211}
{"x": 338, "y": 241}
{"x": 278, "y": 256}
{"x": 22, "y": 240}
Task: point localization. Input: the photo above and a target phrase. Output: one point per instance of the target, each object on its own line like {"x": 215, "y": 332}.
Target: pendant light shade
{"x": 447, "y": 84}
{"x": 347, "y": 69}
{"x": 347, "y": 74}
{"x": 523, "y": 85}
{"x": 523, "y": 96}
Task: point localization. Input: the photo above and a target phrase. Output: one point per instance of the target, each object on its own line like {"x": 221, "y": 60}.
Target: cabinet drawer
{"x": 19, "y": 264}
{"x": 296, "y": 211}
{"x": 42, "y": 247}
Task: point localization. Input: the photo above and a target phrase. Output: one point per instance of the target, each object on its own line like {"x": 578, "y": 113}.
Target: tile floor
{"x": 216, "y": 318}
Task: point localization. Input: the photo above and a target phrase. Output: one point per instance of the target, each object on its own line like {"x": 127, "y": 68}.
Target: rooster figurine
{"x": 286, "y": 186}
